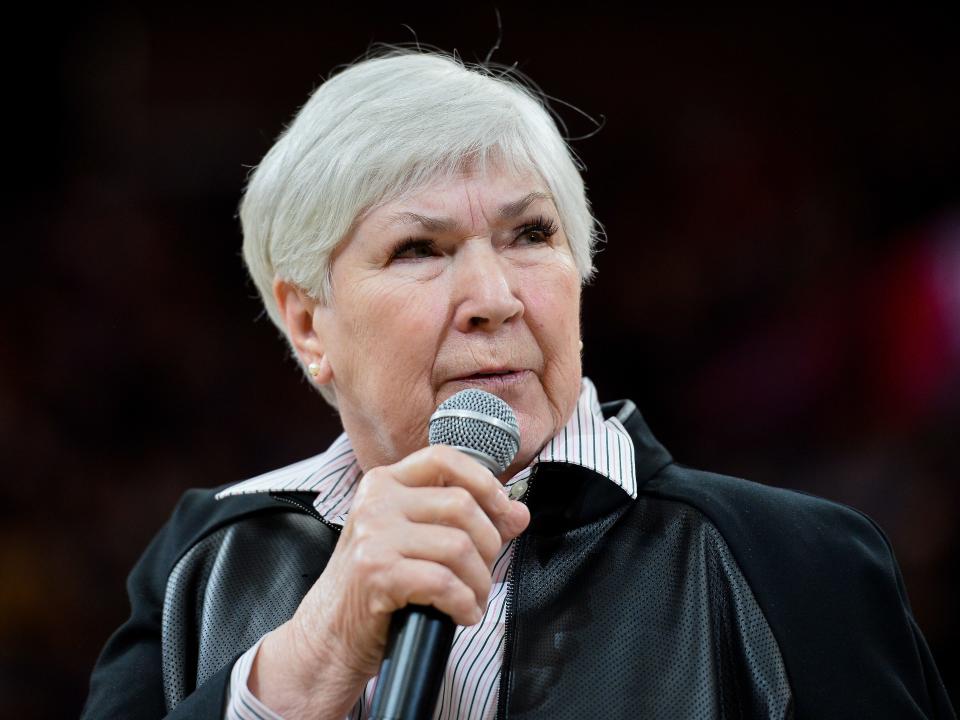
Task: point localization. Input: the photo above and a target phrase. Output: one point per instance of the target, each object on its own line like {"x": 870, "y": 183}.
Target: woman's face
{"x": 468, "y": 284}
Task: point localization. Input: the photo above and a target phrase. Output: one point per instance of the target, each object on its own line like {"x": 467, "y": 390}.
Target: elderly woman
{"x": 421, "y": 228}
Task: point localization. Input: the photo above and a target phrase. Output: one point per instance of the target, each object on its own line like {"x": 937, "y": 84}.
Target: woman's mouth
{"x": 494, "y": 378}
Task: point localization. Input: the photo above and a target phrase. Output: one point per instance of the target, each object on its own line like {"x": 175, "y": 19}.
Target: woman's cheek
{"x": 406, "y": 334}
{"x": 553, "y": 306}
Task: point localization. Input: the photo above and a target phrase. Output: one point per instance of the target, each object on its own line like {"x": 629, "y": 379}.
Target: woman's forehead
{"x": 500, "y": 195}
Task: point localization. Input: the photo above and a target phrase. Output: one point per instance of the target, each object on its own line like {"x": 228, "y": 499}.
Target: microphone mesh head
{"x": 477, "y": 434}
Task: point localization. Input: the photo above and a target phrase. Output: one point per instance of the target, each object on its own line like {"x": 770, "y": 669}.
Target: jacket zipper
{"x": 509, "y": 621}
{"x": 308, "y": 509}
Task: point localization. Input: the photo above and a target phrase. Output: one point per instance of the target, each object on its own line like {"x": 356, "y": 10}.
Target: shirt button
{"x": 518, "y": 489}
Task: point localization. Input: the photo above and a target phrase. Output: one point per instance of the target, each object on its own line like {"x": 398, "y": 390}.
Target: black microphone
{"x": 484, "y": 427}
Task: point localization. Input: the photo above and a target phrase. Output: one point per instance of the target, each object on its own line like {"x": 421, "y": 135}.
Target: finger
{"x": 382, "y": 501}
{"x": 452, "y": 548}
{"x": 439, "y": 465}
{"x": 515, "y": 521}
{"x": 422, "y": 582}
{"x": 452, "y": 507}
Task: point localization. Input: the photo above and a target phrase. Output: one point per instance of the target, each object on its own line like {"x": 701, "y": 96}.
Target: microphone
{"x": 484, "y": 427}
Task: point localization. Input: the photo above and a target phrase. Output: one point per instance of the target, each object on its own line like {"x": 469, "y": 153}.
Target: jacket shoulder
{"x": 128, "y": 678}
{"x": 788, "y": 542}
{"x": 198, "y": 513}
{"x": 826, "y": 580}
{"x": 748, "y": 512}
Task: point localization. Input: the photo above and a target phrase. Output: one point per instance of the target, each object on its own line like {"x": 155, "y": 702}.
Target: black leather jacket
{"x": 706, "y": 597}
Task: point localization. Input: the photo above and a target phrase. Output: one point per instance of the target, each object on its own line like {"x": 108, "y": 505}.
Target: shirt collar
{"x": 588, "y": 440}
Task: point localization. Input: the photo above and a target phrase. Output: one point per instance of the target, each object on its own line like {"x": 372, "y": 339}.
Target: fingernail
{"x": 518, "y": 490}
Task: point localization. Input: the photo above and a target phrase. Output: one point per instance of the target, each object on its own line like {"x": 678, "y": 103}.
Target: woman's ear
{"x": 297, "y": 309}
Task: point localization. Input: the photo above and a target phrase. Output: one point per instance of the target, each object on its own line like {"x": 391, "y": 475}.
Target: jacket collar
{"x": 651, "y": 456}
{"x": 563, "y": 493}
{"x": 592, "y": 439}
{"x": 565, "y": 496}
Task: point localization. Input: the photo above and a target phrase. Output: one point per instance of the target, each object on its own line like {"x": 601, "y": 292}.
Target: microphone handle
{"x": 418, "y": 645}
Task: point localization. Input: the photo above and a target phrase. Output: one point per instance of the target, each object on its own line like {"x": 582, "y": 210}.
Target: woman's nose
{"x": 485, "y": 290}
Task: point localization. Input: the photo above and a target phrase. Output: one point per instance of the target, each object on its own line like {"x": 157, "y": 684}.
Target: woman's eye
{"x": 538, "y": 232}
{"x": 414, "y": 250}
{"x": 533, "y": 236}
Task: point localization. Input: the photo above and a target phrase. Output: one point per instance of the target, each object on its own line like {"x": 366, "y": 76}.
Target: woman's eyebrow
{"x": 432, "y": 224}
{"x": 518, "y": 207}
{"x": 447, "y": 224}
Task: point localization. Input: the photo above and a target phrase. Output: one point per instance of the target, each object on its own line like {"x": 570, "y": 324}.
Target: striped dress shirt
{"x": 471, "y": 679}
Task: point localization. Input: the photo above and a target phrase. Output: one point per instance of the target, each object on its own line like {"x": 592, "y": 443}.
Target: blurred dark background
{"x": 780, "y": 293}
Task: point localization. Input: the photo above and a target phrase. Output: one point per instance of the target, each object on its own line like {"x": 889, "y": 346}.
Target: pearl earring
{"x": 581, "y": 346}
{"x": 313, "y": 369}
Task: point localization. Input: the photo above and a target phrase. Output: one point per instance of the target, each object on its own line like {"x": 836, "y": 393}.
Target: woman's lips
{"x": 494, "y": 378}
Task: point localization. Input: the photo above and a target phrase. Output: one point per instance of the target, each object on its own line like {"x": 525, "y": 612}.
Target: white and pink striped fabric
{"x": 472, "y": 677}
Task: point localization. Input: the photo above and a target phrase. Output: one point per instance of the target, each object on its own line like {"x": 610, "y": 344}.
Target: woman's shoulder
{"x": 826, "y": 580}
{"x": 200, "y": 513}
{"x": 751, "y": 511}
{"x": 786, "y": 541}
{"x": 800, "y": 553}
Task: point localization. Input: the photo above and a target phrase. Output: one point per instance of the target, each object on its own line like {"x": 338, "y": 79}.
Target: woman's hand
{"x": 424, "y": 531}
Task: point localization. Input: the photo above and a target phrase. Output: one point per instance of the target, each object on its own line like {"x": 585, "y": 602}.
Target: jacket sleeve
{"x": 858, "y": 652}
{"x": 830, "y": 589}
{"x": 893, "y": 669}
{"x": 127, "y": 681}
{"x": 939, "y": 701}
{"x": 847, "y": 630}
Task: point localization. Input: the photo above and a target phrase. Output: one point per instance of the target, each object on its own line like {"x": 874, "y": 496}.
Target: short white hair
{"x": 386, "y": 127}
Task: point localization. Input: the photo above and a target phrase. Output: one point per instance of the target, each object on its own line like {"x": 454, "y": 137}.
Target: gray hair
{"x": 382, "y": 129}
